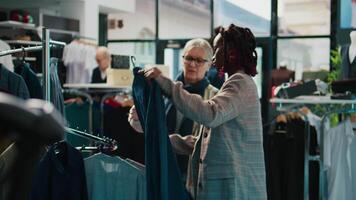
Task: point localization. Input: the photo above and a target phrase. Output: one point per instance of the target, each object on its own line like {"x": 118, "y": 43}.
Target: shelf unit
{"x": 17, "y": 25}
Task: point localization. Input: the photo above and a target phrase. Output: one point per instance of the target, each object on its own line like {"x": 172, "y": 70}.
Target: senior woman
{"x": 230, "y": 155}
{"x": 197, "y": 55}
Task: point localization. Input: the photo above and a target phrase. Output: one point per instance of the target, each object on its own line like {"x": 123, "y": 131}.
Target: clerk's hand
{"x": 182, "y": 145}
{"x": 151, "y": 73}
{"x": 134, "y": 120}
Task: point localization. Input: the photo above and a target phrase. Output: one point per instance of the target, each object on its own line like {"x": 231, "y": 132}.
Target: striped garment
{"x": 230, "y": 151}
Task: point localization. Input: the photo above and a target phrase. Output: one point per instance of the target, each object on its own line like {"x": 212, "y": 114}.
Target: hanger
{"x": 61, "y": 151}
{"x": 282, "y": 118}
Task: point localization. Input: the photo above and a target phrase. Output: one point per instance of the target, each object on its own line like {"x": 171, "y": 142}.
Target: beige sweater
{"x": 233, "y": 146}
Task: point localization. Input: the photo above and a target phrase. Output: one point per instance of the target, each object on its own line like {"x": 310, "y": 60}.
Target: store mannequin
{"x": 348, "y": 54}
{"x": 352, "y": 48}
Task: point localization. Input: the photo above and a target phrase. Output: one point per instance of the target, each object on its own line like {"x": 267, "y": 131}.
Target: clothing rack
{"x": 47, "y": 43}
{"x": 349, "y": 106}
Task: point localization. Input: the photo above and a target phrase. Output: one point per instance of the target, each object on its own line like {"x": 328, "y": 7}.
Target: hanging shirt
{"x": 80, "y": 61}
{"x": 163, "y": 178}
{"x": 338, "y": 142}
{"x": 110, "y": 177}
{"x": 32, "y": 82}
{"x": 12, "y": 83}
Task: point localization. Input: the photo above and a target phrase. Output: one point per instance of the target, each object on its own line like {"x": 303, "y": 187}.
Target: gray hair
{"x": 103, "y": 50}
{"x": 199, "y": 43}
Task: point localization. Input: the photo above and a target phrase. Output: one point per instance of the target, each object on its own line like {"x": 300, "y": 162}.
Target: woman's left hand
{"x": 151, "y": 73}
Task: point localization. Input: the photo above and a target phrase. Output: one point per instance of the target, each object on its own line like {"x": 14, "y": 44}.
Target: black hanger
{"x": 133, "y": 60}
{"x": 61, "y": 151}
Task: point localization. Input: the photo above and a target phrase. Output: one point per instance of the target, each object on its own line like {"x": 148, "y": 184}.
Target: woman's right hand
{"x": 134, "y": 120}
{"x": 151, "y": 73}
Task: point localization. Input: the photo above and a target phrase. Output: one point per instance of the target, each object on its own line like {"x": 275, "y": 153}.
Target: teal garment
{"x": 163, "y": 178}
{"x": 110, "y": 177}
{"x": 77, "y": 116}
{"x": 56, "y": 94}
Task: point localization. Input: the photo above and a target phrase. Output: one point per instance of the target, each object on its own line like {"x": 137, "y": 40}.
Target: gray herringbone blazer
{"x": 232, "y": 148}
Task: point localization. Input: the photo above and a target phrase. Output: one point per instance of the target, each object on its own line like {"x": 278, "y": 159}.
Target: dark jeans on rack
{"x": 162, "y": 172}
{"x": 284, "y": 154}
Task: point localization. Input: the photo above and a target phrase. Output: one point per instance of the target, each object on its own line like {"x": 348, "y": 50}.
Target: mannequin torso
{"x": 352, "y": 49}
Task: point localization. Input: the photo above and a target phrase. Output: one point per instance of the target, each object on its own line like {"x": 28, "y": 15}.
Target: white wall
{"x": 133, "y": 23}
{"x": 175, "y": 22}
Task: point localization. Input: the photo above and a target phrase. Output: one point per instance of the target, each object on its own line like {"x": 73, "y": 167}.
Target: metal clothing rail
{"x": 29, "y": 49}
{"x": 91, "y": 137}
{"x": 25, "y": 49}
{"x": 313, "y": 100}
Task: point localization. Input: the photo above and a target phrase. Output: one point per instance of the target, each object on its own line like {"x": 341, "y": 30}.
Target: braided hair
{"x": 239, "y": 50}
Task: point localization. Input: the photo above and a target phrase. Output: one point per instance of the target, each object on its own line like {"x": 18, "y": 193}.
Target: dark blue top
{"x": 12, "y": 83}
{"x": 60, "y": 175}
{"x": 31, "y": 80}
{"x": 163, "y": 179}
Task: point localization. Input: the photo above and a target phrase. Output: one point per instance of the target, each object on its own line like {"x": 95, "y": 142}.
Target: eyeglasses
{"x": 198, "y": 61}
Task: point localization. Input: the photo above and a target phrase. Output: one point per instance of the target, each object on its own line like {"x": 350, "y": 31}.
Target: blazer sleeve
{"x": 224, "y": 106}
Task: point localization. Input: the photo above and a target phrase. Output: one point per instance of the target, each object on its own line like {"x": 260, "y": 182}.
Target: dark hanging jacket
{"x": 12, "y": 83}
{"x": 32, "y": 82}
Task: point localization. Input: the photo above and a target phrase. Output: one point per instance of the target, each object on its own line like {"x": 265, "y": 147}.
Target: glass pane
{"x": 308, "y": 58}
{"x": 303, "y": 17}
{"x": 254, "y": 14}
{"x": 137, "y": 25}
{"x": 179, "y": 19}
{"x": 258, "y": 77}
{"x": 143, "y": 51}
{"x": 173, "y": 59}
{"x": 348, "y": 14}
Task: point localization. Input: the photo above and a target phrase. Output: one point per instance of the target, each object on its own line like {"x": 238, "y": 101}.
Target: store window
{"x": 303, "y": 17}
{"x": 348, "y": 13}
{"x": 259, "y": 75}
{"x": 173, "y": 59}
{"x": 254, "y": 14}
{"x": 180, "y": 19}
{"x": 131, "y": 26}
{"x": 308, "y": 58}
{"x": 144, "y": 52}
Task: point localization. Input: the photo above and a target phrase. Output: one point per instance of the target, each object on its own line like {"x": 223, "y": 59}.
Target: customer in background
{"x": 228, "y": 158}
{"x": 197, "y": 55}
{"x": 103, "y": 58}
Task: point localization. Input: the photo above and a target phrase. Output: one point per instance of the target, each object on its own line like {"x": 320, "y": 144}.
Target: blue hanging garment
{"x": 162, "y": 173}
